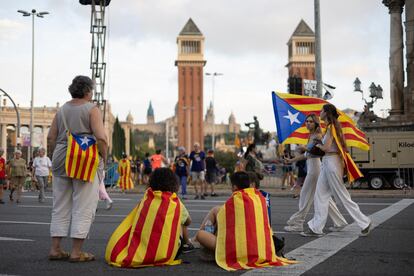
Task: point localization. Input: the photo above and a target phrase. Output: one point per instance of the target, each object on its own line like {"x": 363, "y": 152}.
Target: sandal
{"x": 63, "y": 255}
{"x": 83, "y": 257}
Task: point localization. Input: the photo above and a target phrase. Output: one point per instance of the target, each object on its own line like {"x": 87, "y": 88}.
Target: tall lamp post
{"x": 41, "y": 15}
{"x": 213, "y": 76}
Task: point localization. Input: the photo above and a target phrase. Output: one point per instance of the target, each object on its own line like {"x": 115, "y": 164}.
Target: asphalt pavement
{"x": 388, "y": 250}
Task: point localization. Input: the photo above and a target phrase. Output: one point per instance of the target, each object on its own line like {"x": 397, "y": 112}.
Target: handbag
{"x": 82, "y": 158}
{"x": 316, "y": 150}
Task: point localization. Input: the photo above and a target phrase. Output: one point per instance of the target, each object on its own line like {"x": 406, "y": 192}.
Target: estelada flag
{"x": 82, "y": 157}
{"x": 244, "y": 235}
{"x": 149, "y": 235}
{"x": 291, "y": 110}
{"x": 124, "y": 170}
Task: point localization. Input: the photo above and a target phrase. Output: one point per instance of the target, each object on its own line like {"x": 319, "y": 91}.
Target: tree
{"x": 118, "y": 140}
{"x": 226, "y": 159}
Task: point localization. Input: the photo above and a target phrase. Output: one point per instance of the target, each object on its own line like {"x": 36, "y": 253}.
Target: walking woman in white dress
{"x": 313, "y": 163}
{"x": 330, "y": 181}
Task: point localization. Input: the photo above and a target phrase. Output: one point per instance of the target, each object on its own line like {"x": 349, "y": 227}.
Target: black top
{"x": 211, "y": 164}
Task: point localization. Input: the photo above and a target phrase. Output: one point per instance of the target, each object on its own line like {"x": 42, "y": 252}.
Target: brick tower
{"x": 190, "y": 63}
{"x": 301, "y": 65}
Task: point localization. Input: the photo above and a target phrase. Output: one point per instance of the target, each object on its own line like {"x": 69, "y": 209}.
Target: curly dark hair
{"x": 163, "y": 179}
{"x": 80, "y": 86}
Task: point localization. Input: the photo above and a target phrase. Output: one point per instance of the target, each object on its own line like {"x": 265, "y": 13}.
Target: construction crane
{"x": 97, "y": 62}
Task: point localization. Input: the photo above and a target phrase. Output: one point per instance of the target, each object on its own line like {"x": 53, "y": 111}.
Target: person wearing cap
{"x": 17, "y": 170}
{"x": 181, "y": 167}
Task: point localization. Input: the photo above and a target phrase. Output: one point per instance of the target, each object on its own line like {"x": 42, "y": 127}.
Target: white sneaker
{"x": 365, "y": 232}
{"x": 108, "y": 204}
{"x": 291, "y": 228}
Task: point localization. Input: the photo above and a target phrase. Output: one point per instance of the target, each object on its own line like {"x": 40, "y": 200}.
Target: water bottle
{"x": 209, "y": 227}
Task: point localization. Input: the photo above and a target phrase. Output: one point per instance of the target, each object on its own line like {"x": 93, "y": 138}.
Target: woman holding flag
{"x": 313, "y": 164}
{"x": 330, "y": 181}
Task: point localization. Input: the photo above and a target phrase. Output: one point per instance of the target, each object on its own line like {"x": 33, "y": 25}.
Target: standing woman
{"x": 74, "y": 200}
{"x": 124, "y": 169}
{"x": 313, "y": 163}
{"x": 17, "y": 171}
{"x": 330, "y": 182}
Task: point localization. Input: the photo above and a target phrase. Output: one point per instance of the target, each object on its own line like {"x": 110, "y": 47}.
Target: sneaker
{"x": 203, "y": 197}
{"x": 108, "y": 204}
{"x": 205, "y": 194}
{"x": 17, "y": 201}
{"x": 188, "y": 248}
{"x": 366, "y": 231}
{"x": 1, "y": 201}
{"x": 292, "y": 228}
{"x": 337, "y": 228}
{"x": 11, "y": 198}
{"x": 196, "y": 197}
{"x": 310, "y": 233}
{"x": 214, "y": 194}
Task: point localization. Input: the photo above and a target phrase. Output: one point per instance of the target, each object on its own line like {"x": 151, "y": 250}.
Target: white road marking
{"x": 34, "y": 206}
{"x": 36, "y": 196}
{"x": 317, "y": 251}
{"x": 13, "y": 239}
{"x": 24, "y": 222}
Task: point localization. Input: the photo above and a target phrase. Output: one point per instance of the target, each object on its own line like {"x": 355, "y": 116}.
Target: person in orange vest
{"x": 158, "y": 160}
{"x": 150, "y": 234}
{"x": 124, "y": 170}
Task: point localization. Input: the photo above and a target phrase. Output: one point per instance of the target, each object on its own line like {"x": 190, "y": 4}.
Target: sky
{"x": 245, "y": 40}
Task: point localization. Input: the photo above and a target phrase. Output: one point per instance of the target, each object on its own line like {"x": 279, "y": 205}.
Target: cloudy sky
{"x": 244, "y": 40}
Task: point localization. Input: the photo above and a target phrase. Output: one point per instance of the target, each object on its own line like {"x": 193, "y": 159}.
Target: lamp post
{"x": 41, "y": 15}
{"x": 213, "y": 76}
{"x": 375, "y": 92}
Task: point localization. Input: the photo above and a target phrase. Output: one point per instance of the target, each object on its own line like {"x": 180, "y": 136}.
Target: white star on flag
{"x": 293, "y": 118}
{"x": 84, "y": 140}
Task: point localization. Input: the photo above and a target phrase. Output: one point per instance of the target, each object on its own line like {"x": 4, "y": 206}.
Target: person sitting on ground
{"x": 231, "y": 226}
{"x": 150, "y": 234}
{"x": 255, "y": 183}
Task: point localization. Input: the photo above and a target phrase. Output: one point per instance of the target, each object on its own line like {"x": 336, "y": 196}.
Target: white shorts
{"x": 197, "y": 176}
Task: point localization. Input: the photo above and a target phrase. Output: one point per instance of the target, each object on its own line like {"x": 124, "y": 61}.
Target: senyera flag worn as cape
{"x": 290, "y": 113}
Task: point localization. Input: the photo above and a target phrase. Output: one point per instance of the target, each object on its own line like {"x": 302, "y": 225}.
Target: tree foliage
{"x": 118, "y": 140}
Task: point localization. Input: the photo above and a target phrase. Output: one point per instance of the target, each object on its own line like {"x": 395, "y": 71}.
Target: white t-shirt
{"x": 42, "y": 165}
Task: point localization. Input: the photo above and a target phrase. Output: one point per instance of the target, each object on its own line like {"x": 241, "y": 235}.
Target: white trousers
{"x": 307, "y": 196}
{"x": 330, "y": 183}
{"x": 74, "y": 207}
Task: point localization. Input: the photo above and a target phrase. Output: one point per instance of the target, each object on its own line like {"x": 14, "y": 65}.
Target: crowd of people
{"x": 156, "y": 230}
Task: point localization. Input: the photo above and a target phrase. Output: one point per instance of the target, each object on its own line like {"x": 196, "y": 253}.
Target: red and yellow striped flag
{"x": 149, "y": 235}
{"x": 244, "y": 235}
{"x": 124, "y": 170}
{"x": 290, "y": 113}
{"x": 82, "y": 157}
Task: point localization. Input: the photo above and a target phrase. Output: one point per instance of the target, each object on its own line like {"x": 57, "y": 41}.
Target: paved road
{"x": 389, "y": 250}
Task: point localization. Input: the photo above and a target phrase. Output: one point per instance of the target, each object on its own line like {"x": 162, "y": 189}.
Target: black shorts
{"x": 210, "y": 178}
{"x": 2, "y": 181}
{"x": 147, "y": 171}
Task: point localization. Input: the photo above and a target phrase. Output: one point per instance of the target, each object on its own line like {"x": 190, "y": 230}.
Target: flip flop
{"x": 83, "y": 257}
{"x": 63, "y": 255}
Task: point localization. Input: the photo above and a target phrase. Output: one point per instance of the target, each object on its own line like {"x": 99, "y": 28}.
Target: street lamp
{"x": 375, "y": 92}
{"x": 213, "y": 76}
{"x": 41, "y": 15}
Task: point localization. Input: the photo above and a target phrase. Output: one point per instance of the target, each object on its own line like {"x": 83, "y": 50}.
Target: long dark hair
{"x": 249, "y": 149}
{"x": 332, "y": 119}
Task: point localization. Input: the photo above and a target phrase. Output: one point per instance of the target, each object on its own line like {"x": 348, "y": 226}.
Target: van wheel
{"x": 376, "y": 182}
{"x": 398, "y": 182}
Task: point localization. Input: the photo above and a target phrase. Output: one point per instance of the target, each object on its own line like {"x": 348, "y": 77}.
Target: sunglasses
{"x": 307, "y": 121}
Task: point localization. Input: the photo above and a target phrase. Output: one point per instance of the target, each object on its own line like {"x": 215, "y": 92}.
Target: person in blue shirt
{"x": 198, "y": 165}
